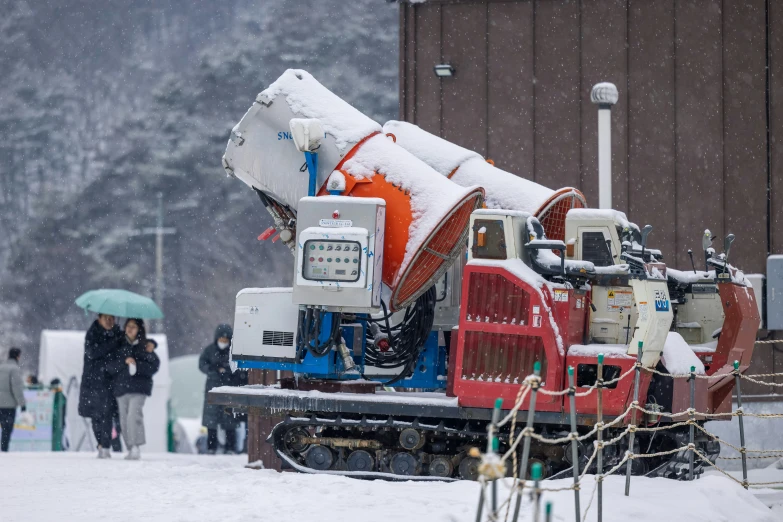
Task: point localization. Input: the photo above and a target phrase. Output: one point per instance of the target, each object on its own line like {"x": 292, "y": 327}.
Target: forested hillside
{"x": 105, "y": 105}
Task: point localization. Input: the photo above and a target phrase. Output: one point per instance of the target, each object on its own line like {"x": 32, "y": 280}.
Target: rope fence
{"x": 494, "y": 466}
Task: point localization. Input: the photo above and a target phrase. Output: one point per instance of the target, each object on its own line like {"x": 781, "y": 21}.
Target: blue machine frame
{"x": 429, "y": 374}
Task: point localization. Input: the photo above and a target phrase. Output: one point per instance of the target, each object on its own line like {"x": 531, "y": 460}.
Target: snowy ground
{"x": 168, "y": 487}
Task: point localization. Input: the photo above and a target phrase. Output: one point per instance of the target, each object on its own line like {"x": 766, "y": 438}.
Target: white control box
{"x": 339, "y": 257}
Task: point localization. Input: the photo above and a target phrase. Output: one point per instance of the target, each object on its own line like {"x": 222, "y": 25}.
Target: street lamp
{"x": 444, "y": 70}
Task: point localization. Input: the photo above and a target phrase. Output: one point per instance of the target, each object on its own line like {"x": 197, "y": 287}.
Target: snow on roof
{"x": 688, "y": 277}
{"x": 503, "y": 189}
{"x": 678, "y": 357}
{"x": 502, "y": 212}
{"x": 601, "y": 213}
{"x": 308, "y": 98}
{"x": 432, "y": 195}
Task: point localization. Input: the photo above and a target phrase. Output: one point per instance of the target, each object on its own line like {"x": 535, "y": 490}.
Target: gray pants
{"x": 132, "y": 418}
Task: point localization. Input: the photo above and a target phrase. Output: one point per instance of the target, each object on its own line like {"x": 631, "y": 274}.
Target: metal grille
{"x": 502, "y": 358}
{"x": 495, "y": 299}
{"x": 273, "y": 338}
{"x": 437, "y": 253}
{"x": 553, "y": 215}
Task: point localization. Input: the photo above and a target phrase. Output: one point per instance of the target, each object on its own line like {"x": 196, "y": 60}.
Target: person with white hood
{"x": 132, "y": 370}
{"x": 214, "y": 362}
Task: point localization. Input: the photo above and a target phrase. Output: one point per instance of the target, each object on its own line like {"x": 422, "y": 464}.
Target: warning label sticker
{"x": 537, "y": 321}
{"x": 643, "y": 311}
{"x": 619, "y": 299}
{"x": 561, "y": 296}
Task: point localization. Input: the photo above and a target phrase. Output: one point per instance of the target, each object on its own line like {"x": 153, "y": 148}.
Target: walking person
{"x": 11, "y": 395}
{"x": 214, "y": 361}
{"x": 101, "y": 344}
{"x": 132, "y": 372}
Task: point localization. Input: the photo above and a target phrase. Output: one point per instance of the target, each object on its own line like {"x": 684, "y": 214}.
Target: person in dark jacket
{"x": 95, "y": 397}
{"x": 11, "y": 395}
{"x": 214, "y": 361}
{"x": 132, "y": 372}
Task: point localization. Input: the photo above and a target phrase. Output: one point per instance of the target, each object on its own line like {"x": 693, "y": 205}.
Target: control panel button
{"x": 347, "y": 260}
{"x": 320, "y": 259}
{"x": 321, "y": 247}
{"x": 353, "y": 272}
{"x": 312, "y": 247}
{"x": 355, "y": 249}
{"x": 329, "y": 247}
{"x": 355, "y": 259}
{"x": 338, "y": 247}
{"x": 338, "y": 259}
{"x": 328, "y": 259}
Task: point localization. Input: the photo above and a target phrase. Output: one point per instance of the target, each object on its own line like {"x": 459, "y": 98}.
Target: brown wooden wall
{"x": 696, "y": 131}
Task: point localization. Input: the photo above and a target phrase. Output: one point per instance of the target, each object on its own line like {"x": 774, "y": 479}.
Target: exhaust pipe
{"x": 604, "y": 95}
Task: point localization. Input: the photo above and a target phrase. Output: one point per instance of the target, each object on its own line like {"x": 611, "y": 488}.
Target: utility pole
{"x": 158, "y": 231}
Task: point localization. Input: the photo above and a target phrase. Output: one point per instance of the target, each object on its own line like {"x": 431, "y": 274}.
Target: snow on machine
{"x": 386, "y": 387}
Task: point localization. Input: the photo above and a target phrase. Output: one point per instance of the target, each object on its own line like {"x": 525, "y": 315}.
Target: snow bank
{"x": 163, "y": 487}
{"x": 308, "y": 98}
{"x": 432, "y": 196}
{"x": 678, "y": 356}
{"x": 504, "y": 190}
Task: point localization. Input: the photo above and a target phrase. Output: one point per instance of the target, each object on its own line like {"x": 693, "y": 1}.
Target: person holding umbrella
{"x": 132, "y": 373}
{"x": 101, "y": 344}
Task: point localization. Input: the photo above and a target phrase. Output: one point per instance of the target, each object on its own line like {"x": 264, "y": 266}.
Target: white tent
{"x": 62, "y": 356}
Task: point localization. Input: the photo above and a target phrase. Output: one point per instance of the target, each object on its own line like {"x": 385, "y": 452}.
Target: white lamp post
{"x": 604, "y": 95}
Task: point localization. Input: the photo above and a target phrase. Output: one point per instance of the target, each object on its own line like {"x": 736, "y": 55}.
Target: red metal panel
{"x": 489, "y": 353}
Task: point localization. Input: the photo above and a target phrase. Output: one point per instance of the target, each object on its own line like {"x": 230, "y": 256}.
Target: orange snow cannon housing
{"x": 421, "y": 241}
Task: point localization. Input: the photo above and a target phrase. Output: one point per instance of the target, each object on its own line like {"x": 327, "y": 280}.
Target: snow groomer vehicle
{"x": 428, "y": 283}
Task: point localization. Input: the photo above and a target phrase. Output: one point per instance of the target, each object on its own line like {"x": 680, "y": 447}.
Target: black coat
{"x": 100, "y": 346}
{"x": 147, "y": 365}
{"x": 212, "y": 360}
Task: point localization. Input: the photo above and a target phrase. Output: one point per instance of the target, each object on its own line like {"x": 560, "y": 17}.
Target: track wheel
{"x": 468, "y": 468}
{"x": 411, "y": 439}
{"x": 293, "y": 440}
{"x": 404, "y": 464}
{"x": 319, "y": 458}
{"x": 360, "y": 460}
{"x": 441, "y": 467}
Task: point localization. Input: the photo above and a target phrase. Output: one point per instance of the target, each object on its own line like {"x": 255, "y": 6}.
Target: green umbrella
{"x": 120, "y": 303}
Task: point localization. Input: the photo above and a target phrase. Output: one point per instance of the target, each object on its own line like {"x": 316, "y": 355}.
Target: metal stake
{"x": 536, "y": 473}
{"x": 600, "y": 435}
{"x": 548, "y": 512}
{"x": 531, "y": 412}
{"x": 741, "y": 425}
{"x": 481, "y": 503}
{"x": 492, "y": 444}
{"x": 629, "y": 464}
{"x": 693, "y": 419}
{"x": 574, "y": 447}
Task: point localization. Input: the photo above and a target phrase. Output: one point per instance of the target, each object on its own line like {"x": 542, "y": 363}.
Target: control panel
{"x": 339, "y": 258}
{"x": 332, "y": 260}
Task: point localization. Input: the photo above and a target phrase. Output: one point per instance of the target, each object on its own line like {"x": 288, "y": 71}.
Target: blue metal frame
{"x": 429, "y": 374}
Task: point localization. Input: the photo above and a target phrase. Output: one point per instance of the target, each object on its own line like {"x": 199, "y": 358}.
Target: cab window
{"x": 596, "y": 249}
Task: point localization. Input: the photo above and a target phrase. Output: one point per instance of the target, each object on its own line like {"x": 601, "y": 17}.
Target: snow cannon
{"x": 427, "y": 215}
{"x": 504, "y": 190}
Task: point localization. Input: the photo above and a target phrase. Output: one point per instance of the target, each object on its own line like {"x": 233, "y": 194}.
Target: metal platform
{"x": 273, "y": 400}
